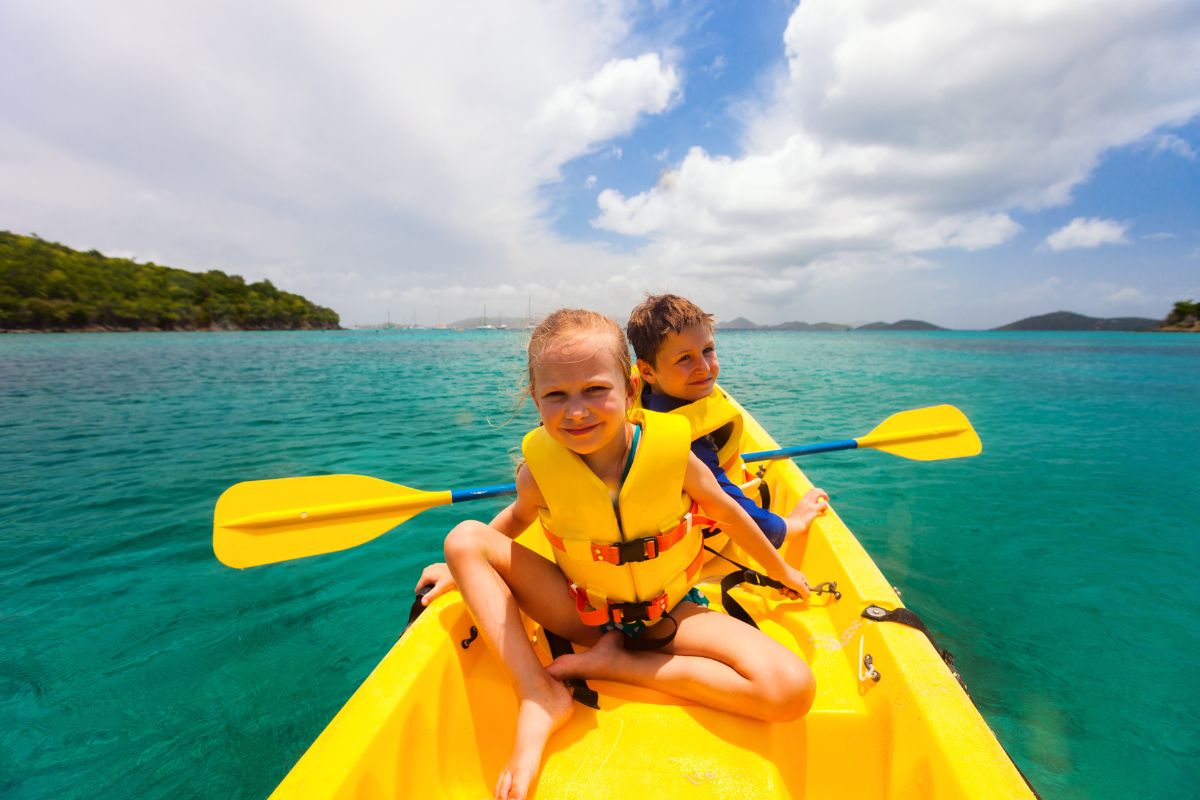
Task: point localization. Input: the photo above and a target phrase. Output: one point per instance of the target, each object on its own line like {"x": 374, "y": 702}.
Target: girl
{"x": 597, "y": 477}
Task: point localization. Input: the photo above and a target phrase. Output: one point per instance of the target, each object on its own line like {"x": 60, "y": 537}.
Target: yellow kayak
{"x": 436, "y": 718}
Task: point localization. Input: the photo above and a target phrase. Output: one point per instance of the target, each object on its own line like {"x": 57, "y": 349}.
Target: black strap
{"x": 739, "y": 576}
{"x": 417, "y": 606}
{"x": 764, "y": 491}
{"x": 906, "y": 617}
{"x": 641, "y": 644}
{"x": 583, "y": 694}
{"x": 744, "y": 574}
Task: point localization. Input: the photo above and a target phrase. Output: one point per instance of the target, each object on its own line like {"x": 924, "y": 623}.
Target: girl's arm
{"x": 700, "y": 484}
{"x": 520, "y": 513}
{"x": 512, "y": 522}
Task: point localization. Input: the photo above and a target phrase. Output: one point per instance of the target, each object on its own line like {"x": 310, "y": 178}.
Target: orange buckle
{"x": 627, "y": 552}
{"x": 647, "y": 611}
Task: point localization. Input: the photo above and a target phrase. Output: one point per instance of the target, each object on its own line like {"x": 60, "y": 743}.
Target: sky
{"x": 965, "y": 162}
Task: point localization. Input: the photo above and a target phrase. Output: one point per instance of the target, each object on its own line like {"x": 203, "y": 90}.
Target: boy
{"x": 672, "y": 339}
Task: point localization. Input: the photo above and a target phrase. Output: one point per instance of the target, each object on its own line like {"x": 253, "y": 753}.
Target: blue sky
{"x": 967, "y": 162}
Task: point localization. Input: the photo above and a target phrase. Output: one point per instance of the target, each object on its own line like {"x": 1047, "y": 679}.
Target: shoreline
{"x": 104, "y": 329}
{"x": 1195, "y": 328}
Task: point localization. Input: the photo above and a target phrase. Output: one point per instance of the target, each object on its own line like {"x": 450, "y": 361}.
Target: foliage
{"x": 1185, "y": 311}
{"x": 47, "y": 286}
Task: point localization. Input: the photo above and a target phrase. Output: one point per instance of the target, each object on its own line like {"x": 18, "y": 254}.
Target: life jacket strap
{"x": 644, "y": 611}
{"x": 636, "y": 550}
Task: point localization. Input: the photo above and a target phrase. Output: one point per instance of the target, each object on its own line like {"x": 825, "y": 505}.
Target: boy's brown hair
{"x": 659, "y": 315}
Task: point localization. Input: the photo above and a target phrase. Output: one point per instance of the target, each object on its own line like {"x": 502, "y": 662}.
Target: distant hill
{"x": 739, "y": 324}
{"x": 902, "y": 325}
{"x": 743, "y": 324}
{"x": 1070, "y": 321}
{"x": 48, "y": 286}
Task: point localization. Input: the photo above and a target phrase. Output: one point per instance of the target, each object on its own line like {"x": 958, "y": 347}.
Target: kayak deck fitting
{"x": 436, "y": 717}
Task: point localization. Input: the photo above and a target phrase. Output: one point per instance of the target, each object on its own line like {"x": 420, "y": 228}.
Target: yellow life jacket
{"x": 707, "y": 416}
{"x": 635, "y": 561}
{"x": 710, "y": 415}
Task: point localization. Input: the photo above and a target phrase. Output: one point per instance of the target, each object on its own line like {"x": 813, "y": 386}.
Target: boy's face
{"x": 686, "y": 366}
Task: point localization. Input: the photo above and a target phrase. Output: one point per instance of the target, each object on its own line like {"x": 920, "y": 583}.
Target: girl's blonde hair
{"x": 568, "y": 323}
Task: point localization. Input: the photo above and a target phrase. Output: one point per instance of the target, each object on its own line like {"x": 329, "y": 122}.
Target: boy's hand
{"x": 795, "y": 584}
{"x": 438, "y": 576}
{"x": 809, "y": 507}
{"x": 814, "y": 502}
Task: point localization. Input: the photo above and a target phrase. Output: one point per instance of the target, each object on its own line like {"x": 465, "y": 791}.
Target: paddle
{"x": 922, "y": 434}
{"x": 263, "y": 522}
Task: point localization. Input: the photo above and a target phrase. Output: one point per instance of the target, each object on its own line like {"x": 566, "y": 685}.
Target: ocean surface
{"x": 1060, "y": 567}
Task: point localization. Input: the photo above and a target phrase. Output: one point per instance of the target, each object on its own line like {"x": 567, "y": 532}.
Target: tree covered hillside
{"x": 47, "y": 286}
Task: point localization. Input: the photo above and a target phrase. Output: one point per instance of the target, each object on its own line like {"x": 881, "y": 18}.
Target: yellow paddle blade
{"x": 262, "y": 522}
{"x": 925, "y": 434}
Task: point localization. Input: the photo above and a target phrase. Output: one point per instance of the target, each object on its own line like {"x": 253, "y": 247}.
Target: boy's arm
{"x": 700, "y": 484}
{"x": 774, "y": 526}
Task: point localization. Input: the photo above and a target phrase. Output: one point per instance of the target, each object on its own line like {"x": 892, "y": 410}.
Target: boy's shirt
{"x": 772, "y": 525}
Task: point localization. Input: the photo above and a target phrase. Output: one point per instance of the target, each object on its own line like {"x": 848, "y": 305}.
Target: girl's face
{"x": 582, "y": 395}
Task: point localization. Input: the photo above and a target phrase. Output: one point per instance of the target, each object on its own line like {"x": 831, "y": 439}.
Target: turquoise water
{"x": 1059, "y": 566}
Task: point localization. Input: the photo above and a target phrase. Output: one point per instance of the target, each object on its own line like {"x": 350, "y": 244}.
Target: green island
{"x": 1185, "y": 316}
{"x": 46, "y": 286}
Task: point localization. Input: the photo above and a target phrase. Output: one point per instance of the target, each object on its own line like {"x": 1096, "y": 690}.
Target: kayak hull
{"x": 436, "y": 718}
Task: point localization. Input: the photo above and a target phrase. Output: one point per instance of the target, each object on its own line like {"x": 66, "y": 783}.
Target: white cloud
{"x": 1087, "y": 232}
{"x": 407, "y": 142}
{"x": 919, "y": 127}
{"x": 401, "y": 151}
{"x": 1121, "y": 295}
{"x": 590, "y": 182}
{"x": 716, "y": 67}
{"x": 1093, "y": 298}
{"x": 1170, "y": 143}
{"x": 587, "y": 112}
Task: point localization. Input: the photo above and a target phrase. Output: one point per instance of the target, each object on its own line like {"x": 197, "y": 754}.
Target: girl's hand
{"x": 437, "y": 576}
{"x": 796, "y": 585}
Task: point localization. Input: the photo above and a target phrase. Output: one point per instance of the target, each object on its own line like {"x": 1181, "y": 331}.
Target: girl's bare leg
{"x": 715, "y": 660}
{"x": 498, "y": 578}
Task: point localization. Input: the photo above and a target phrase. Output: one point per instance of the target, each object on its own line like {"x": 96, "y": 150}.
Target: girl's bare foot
{"x": 593, "y": 663}
{"x": 538, "y": 716}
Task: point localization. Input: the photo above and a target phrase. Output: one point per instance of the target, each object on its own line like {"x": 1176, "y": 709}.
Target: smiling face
{"x": 685, "y": 366}
{"x": 582, "y": 394}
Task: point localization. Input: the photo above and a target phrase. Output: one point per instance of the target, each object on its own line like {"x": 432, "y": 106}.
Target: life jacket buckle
{"x": 647, "y": 611}
{"x": 636, "y": 550}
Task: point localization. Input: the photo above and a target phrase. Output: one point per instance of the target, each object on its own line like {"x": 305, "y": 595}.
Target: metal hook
{"x": 467, "y": 641}
{"x": 826, "y": 587}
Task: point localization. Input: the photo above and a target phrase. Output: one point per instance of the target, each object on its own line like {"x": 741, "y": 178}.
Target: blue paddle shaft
{"x": 483, "y": 492}
{"x": 801, "y": 450}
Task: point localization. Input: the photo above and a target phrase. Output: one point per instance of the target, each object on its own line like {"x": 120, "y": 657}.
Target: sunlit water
{"x": 1059, "y": 566}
